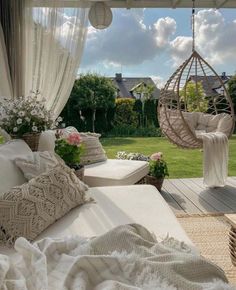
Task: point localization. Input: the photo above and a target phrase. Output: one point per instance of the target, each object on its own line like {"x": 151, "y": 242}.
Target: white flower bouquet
{"x": 26, "y": 115}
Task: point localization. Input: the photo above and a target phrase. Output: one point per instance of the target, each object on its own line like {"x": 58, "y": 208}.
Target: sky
{"x": 154, "y": 42}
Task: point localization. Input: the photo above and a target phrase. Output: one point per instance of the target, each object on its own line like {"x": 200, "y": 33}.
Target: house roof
{"x": 126, "y": 85}
{"x": 210, "y": 83}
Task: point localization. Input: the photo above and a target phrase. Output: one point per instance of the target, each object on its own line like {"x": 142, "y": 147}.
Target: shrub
{"x": 124, "y": 113}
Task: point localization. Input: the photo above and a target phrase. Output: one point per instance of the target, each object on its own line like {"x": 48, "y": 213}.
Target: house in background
{"x": 212, "y": 86}
{"x": 126, "y": 86}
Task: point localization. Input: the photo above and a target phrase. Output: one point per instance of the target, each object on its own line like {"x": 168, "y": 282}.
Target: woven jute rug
{"x": 210, "y": 234}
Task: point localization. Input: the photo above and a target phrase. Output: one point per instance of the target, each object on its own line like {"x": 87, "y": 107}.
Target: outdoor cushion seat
{"x": 115, "y": 172}
{"x": 114, "y": 206}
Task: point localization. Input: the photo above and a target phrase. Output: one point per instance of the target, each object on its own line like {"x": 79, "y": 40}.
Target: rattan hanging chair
{"x": 195, "y": 100}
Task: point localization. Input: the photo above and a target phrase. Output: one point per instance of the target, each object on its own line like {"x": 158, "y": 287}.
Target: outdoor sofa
{"x": 124, "y": 230}
{"x": 113, "y": 206}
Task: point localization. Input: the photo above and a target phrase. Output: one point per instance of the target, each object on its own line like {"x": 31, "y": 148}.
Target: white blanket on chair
{"x": 216, "y": 149}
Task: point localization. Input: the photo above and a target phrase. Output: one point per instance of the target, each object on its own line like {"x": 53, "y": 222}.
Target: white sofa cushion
{"x": 36, "y": 163}
{"x": 10, "y": 174}
{"x": 119, "y": 205}
{"x": 115, "y": 172}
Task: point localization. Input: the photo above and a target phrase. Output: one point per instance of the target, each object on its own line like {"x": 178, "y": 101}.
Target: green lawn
{"x": 181, "y": 162}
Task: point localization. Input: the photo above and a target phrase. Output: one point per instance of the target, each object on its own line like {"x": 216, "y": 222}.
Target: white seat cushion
{"x": 10, "y": 174}
{"x": 115, "y": 172}
{"x": 117, "y": 205}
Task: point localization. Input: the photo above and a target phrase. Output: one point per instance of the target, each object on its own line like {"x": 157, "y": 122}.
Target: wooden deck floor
{"x": 192, "y": 197}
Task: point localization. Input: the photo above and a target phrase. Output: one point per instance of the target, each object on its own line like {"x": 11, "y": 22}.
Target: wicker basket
{"x": 157, "y": 182}
{"x": 32, "y": 139}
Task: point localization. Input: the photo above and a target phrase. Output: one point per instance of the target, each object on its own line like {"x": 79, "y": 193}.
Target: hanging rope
{"x": 193, "y": 25}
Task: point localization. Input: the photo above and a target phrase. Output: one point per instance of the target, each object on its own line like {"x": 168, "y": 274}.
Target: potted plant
{"x": 26, "y": 118}
{"x": 157, "y": 170}
{"x": 70, "y": 149}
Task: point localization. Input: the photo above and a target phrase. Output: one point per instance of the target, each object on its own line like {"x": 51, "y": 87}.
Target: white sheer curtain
{"x": 44, "y": 46}
{"x": 5, "y": 79}
{"x": 54, "y": 42}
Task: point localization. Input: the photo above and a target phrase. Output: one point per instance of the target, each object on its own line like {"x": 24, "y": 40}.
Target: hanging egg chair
{"x": 195, "y": 100}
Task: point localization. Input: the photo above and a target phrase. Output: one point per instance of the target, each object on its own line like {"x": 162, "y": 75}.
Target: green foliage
{"x": 150, "y": 112}
{"x": 145, "y": 91}
{"x": 125, "y": 113}
{"x": 1, "y": 139}
{"x": 71, "y": 116}
{"x": 232, "y": 90}
{"x": 182, "y": 163}
{"x": 194, "y": 98}
{"x": 94, "y": 91}
{"x": 26, "y": 115}
{"x": 158, "y": 168}
{"x": 91, "y": 92}
{"x": 69, "y": 149}
{"x": 126, "y": 130}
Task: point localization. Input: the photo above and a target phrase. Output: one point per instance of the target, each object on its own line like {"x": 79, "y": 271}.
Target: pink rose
{"x": 73, "y": 139}
{"x": 156, "y": 156}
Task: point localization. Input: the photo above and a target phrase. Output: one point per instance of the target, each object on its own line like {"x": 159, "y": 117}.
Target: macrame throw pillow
{"x": 93, "y": 151}
{"x": 26, "y": 210}
{"x": 36, "y": 163}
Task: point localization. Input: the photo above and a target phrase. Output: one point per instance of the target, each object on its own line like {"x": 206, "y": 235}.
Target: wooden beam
{"x": 141, "y": 3}
{"x": 175, "y": 3}
{"x": 129, "y": 4}
{"x": 220, "y": 3}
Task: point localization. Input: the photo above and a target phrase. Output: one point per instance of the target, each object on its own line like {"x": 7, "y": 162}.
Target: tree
{"x": 125, "y": 114}
{"x": 92, "y": 91}
{"x": 232, "y": 90}
{"x": 194, "y": 98}
{"x": 145, "y": 91}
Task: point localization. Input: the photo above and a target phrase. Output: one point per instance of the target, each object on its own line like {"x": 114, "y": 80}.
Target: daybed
{"x": 123, "y": 257}
{"x": 115, "y": 205}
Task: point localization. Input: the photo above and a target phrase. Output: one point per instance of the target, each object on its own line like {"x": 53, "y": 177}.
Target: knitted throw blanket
{"x": 125, "y": 258}
{"x": 215, "y": 169}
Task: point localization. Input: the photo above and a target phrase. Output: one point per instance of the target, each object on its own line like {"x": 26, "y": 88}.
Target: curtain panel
{"x": 44, "y": 48}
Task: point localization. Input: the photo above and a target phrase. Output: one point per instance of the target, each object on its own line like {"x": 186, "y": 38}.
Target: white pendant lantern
{"x": 100, "y": 15}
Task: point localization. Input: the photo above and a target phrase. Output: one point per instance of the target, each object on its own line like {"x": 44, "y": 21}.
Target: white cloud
{"x": 165, "y": 28}
{"x": 159, "y": 81}
{"x": 215, "y": 39}
{"x": 128, "y": 41}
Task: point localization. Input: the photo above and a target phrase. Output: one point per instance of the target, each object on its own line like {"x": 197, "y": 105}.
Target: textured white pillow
{"x": 94, "y": 151}
{"x": 10, "y": 174}
{"x": 36, "y": 163}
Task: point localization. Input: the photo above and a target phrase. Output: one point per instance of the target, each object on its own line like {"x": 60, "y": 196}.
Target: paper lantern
{"x": 100, "y": 15}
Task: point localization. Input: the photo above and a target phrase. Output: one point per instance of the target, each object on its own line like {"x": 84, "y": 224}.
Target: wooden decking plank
{"x": 171, "y": 202}
{"x": 195, "y": 197}
{"x": 216, "y": 200}
{"x": 186, "y": 203}
{"x": 226, "y": 194}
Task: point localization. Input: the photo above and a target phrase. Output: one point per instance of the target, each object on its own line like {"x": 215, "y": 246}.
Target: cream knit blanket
{"x": 215, "y": 168}
{"x": 126, "y": 258}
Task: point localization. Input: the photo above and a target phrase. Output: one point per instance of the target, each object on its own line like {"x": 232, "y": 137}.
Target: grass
{"x": 182, "y": 163}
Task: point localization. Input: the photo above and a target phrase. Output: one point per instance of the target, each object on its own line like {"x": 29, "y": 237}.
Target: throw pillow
{"x": 94, "y": 151}
{"x": 26, "y": 210}
{"x": 36, "y": 163}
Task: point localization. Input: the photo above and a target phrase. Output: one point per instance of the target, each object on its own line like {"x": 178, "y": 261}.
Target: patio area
{"x": 190, "y": 196}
